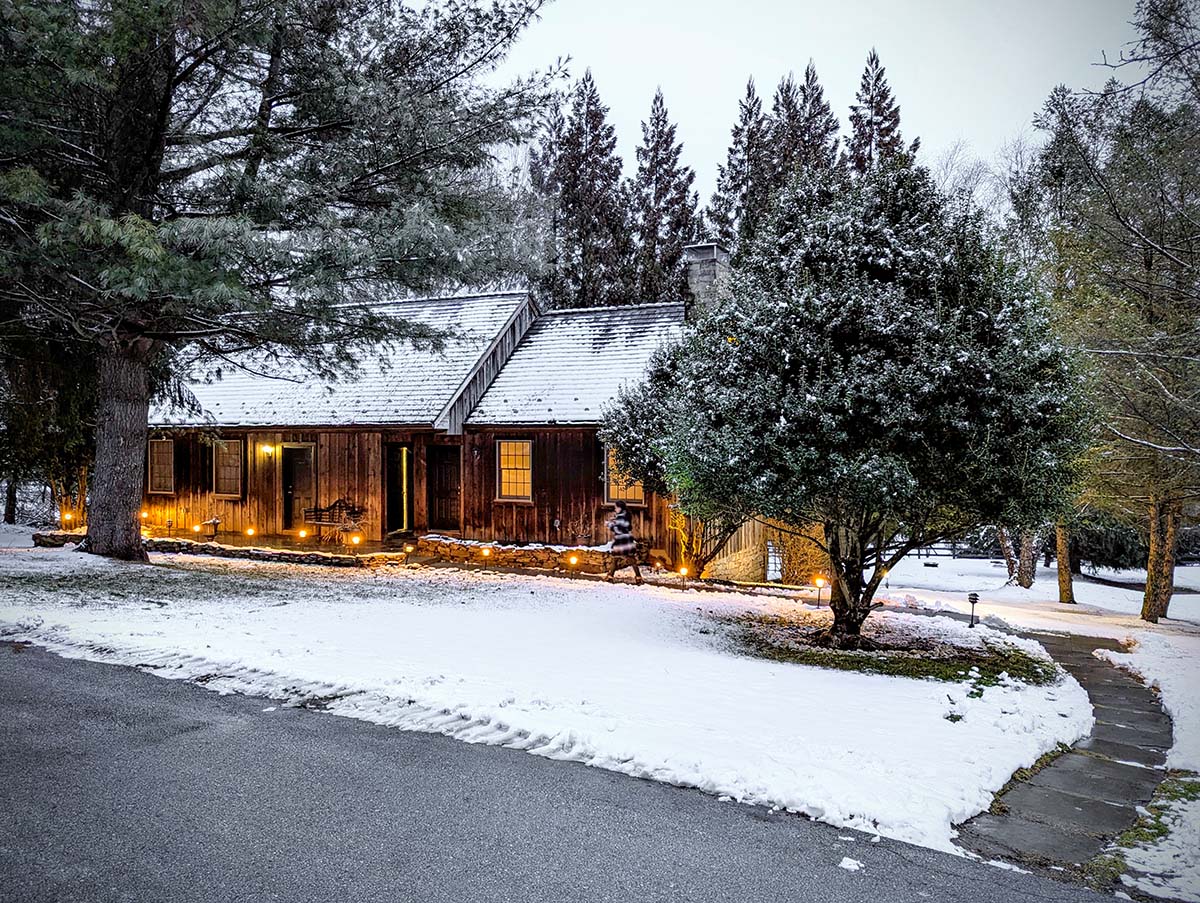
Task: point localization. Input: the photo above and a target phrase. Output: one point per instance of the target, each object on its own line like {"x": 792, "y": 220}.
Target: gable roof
{"x": 573, "y": 361}
{"x": 398, "y": 386}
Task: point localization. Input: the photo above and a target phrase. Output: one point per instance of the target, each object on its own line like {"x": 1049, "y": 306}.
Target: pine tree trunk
{"x": 1160, "y": 567}
{"x": 1027, "y": 564}
{"x": 1066, "y": 588}
{"x": 10, "y": 502}
{"x": 1006, "y": 548}
{"x": 123, "y": 387}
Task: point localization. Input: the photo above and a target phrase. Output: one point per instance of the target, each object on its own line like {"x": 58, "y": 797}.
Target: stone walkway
{"x": 1066, "y": 813}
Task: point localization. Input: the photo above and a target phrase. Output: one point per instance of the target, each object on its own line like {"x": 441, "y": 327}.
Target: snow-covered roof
{"x": 573, "y": 361}
{"x": 402, "y": 385}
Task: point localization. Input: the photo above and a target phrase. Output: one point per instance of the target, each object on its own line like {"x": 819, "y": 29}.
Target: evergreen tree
{"x": 664, "y": 209}
{"x": 594, "y": 241}
{"x": 819, "y": 135}
{"x": 543, "y": 177}
{"x": 195, "y": 179}
{"x": 802, "y": 128}
{"x": 743, "y": 182}
{"x": 874, "y": 119}
{"x": 872, "y": 340}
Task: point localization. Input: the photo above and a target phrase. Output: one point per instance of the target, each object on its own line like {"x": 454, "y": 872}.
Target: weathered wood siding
{"x": 347, "y": 464}
{"x": 567, "y": 488}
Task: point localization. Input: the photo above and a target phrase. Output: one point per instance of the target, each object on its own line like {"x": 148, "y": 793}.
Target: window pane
{"x": 227, "y": 467}
{"x": 619, "y": 487}
{"x": 514, "y": 461}
{"x": 162, "y": 466}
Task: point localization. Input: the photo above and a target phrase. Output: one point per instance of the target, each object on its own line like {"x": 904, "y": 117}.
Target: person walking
{"x": 624, "y": 547}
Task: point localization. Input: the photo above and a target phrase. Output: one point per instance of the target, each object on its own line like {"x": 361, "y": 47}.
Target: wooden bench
{"x": 342, "y": 514}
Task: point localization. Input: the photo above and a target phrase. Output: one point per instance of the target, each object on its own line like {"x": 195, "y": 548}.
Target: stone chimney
{"x": 707, "y": 272}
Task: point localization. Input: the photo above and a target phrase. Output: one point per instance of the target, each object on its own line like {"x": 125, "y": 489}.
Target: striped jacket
{"x": 623, "y": 542}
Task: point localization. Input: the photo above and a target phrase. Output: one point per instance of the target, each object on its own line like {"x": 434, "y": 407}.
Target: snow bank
{"x": 1170, "y": 662}
{"x": 1170, "y": 867}
{"x": 16, "y": 536}
{"x": 633, "y": 680}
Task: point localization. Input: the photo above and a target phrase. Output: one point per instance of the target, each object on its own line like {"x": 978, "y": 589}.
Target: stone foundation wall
{"x": 747, "y": 566}
{"x": 547, "y": 558}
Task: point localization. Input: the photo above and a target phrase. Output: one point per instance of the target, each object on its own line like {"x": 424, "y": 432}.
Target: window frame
{"x": 150, "y": 490}
{"x": 609, "y": 498}
{"x": 241, "y": 459}
{"x": 517, "y": 499}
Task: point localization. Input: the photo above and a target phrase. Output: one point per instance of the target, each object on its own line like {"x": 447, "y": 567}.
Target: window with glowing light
{"x": 618, "y": 487}
{"x": 161, "y": 469}
{"x": 227, "y": 468}
{"x": 514, "y": 469}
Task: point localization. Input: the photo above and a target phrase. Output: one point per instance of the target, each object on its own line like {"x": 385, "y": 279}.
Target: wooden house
{"x": 492, "y": 437}
{"x": 273, "y": 442}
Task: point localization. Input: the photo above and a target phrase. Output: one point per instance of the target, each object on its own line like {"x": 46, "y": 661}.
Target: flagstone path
{"x": 1067, "y": 812}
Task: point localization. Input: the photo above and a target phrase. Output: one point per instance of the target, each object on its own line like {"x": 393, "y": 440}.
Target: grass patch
{"x": 1105, "y": 870}
{"x": 790, "y": 639}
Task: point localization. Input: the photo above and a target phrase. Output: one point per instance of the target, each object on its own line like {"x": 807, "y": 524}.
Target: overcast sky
{"x": 976, "y": 70}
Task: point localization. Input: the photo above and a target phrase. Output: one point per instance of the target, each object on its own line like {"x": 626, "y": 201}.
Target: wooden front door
{"x": 298, "y": 484}
{"x": 398, "y": 486}
{"x": 443, "y": 473}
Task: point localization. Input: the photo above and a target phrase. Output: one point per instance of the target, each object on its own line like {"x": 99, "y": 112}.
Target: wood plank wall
{"x": 348, "y": 464}
{"x": 567, "y": 486}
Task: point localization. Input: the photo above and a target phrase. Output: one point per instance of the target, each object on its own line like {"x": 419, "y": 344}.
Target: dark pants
{"x": 619, "y": 562}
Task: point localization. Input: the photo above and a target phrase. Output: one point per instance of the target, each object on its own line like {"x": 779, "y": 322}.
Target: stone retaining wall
{"x": 548, "y": 558}
{"x": 583, "y": 559}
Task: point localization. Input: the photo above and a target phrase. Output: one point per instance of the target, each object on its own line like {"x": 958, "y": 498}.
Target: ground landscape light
{"x": 145, "y": 514}
{"x": 303, "y": 534}
{"x": 683, "y": 572}
{"x": 196, "y": 528}
{"x": 574, "y": 559}
{"x": 249, "y": 531}
{"x": 356, "y": 539}
{"x": 487, "y": 553}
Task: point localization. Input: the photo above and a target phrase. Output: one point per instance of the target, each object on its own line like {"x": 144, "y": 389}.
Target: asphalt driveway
{"x": 116, "y": 785}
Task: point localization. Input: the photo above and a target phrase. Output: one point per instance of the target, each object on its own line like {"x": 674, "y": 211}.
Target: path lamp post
{"x": 973, "y": 598}
{"x": 819, "y": 582}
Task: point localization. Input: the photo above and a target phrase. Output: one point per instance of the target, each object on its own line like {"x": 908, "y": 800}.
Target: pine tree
{"x": 217, "y": 177}
{"x": 874, "y": 120}
{"x": 743, "y": 182}
{"x": 802, "y": 128}
{"x": 819, "y": 141}
{"x": 663, "y": 207}
{"x": 595, "y": 247}
{"x": 543, "y": 176}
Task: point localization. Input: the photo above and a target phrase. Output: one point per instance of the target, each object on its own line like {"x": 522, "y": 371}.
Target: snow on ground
{"x": 15, "y": 536}
{"x": 1164, "y": 655}
{"x": 1170, "y": 867}
{"x": 637, "y": 680}
{"x": 1172, "y": 664}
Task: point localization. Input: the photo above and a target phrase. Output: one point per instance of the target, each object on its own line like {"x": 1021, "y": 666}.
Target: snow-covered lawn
{"x": 638, "y": 680}
{"x": 1166, "y": 656}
